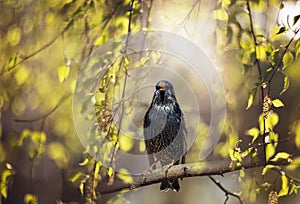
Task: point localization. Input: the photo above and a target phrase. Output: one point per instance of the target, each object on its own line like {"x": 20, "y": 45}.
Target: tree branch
{"x": 185, "y": 170}
{"x": 227, "y": 193}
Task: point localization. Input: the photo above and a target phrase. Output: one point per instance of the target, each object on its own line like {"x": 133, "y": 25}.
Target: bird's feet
{"x": 168, "y": 166}
{"x": 150, "y": 168}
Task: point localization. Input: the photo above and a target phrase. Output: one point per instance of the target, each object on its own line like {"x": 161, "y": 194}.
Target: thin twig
{"x": 227, "y": 193}
{"x": 259, "y": 71}
{"x": 125, "y": 80}
{"x": 280, "y": 61}
{"x": 187, "y": 17}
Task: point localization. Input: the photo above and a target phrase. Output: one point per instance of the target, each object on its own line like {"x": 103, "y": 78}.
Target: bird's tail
{"x": 172, "y": 184}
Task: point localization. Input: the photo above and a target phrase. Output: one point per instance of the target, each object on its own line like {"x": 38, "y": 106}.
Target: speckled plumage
{"x": 165, "y": 131}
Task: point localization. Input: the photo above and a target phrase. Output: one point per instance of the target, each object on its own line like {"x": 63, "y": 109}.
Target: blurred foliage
{"x": 45, "y": 44}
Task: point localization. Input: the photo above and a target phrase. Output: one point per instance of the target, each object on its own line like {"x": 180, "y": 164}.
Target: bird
{"x": 165, "y": 132}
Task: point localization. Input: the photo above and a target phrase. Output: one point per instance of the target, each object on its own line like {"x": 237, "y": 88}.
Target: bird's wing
{"x": 148, "y": 134}
{"x": 184, "y": 138}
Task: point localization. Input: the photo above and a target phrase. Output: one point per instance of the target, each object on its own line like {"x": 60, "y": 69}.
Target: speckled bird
{"x": 165, "y": 131}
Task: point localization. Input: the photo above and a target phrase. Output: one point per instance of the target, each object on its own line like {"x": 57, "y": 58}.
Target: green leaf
{"x": 234, "y": 155}
{"x": 3, "y": 184}
{"x": 261, "y": 52}
{"x": 297, "y": 47}
{"x": 85, "y": 162}
{"x": 294, "y": 164}
{"x": 58, "y": 153}
{"x": 270, "y": 151}
{"x": 284, "y": 186}
{"x": 30, "y": 199}
{"x": 294, "y": 189}
{"x": 281, "y": 156}
{"x": 287, "y": 59}
{"x": 252, "y": 95}
{"x": 221, "y": 15}
{"x": 275, "y": 56}
{"x": 97, "y": 168}
{"x": 277, "y": 103}
{"x": 124, "y": 175}
{"x": 296, "y": 18}
{"x": 110, "y": 172}
{"x": 63, "y": 73}
{"x": 254, "y": 132}
{"x": 272, "y": 139}
{"x": 76, "y": 177}
{"x": 267, "y": 168}
{"x": 296, "y": 130}
{"x": 286, "y": 84}
{"x": 281, "y": 30}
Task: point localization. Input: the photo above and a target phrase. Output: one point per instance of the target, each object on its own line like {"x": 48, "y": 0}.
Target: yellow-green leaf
{"x": 30, "y": 199}
{"x": 126, "y": 143}
{"x": 84, "y": 162}
{"x": 296, "y": 130}
{"x": 281, "y": 30}
{"x": 281, "y": 155}
{"x": 286, "y": 84}
{"x": 254, "y": 132}
{"x": 287, "y": 59}
{"x": 221, "y": 15}
{"x": 125, "y": 176}
{"x": 3, "y": 184}
{"x": 261, "y": 52}
{"x": 267, "y": 168}
{"x": 272, "y": 139}
{"x": 270, "y": 151}
{"x": 58, "y": 153}
{"x": 251, "y": 98}
{"x": 110, "y": 171}
{"x": 75, "y": 177}
{"x": 294, "y": 189}
{"x": 294, "y": 164}
{"x": 63, "y": 73}
{"x": 297, "y": 47}
{"x": 284, "y": 186}
{"x": 277, "y": 103}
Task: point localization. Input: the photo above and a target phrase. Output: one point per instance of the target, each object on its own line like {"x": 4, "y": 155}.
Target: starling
{"x": 165, "y": 131}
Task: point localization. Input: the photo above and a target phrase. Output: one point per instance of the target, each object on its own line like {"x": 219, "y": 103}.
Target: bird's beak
{"x": 162, "y": 86}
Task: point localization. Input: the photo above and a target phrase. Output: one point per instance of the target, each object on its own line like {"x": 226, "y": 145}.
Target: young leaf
{"x": 294, "y": 189}
{"x": 294, "y": 164}
{"x": 254, "y": 132}
{"x": 3, "y": 184}
{"x": 287, "y": 59}
{"x": 284, "y": 186}
{"x": 281, "y": 156}
{"x": 30, "y": 199}
{"x": 297, "y": 47}
{"x": 296, "y": 18}
{"x": 221, "y": 15}
{"x": 251, "y": 97}
{"x": 124, "y": 175}
{"x": 267, "y": 168}
{"x": 286, "y": 84}
{"x": 270, "y": 151}
{"x": 277, "y": 103}
{"x": 63, "y": 73}
{"x": 281, "y": 30}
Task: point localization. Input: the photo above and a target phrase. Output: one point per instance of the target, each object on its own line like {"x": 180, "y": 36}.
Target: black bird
{"x": 165, "y": 131}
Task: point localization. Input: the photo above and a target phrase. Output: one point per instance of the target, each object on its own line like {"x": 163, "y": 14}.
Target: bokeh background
{"x": 44, "y": 44}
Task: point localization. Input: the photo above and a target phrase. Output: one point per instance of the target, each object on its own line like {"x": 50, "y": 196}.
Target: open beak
{"x": 162, "y": 92}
